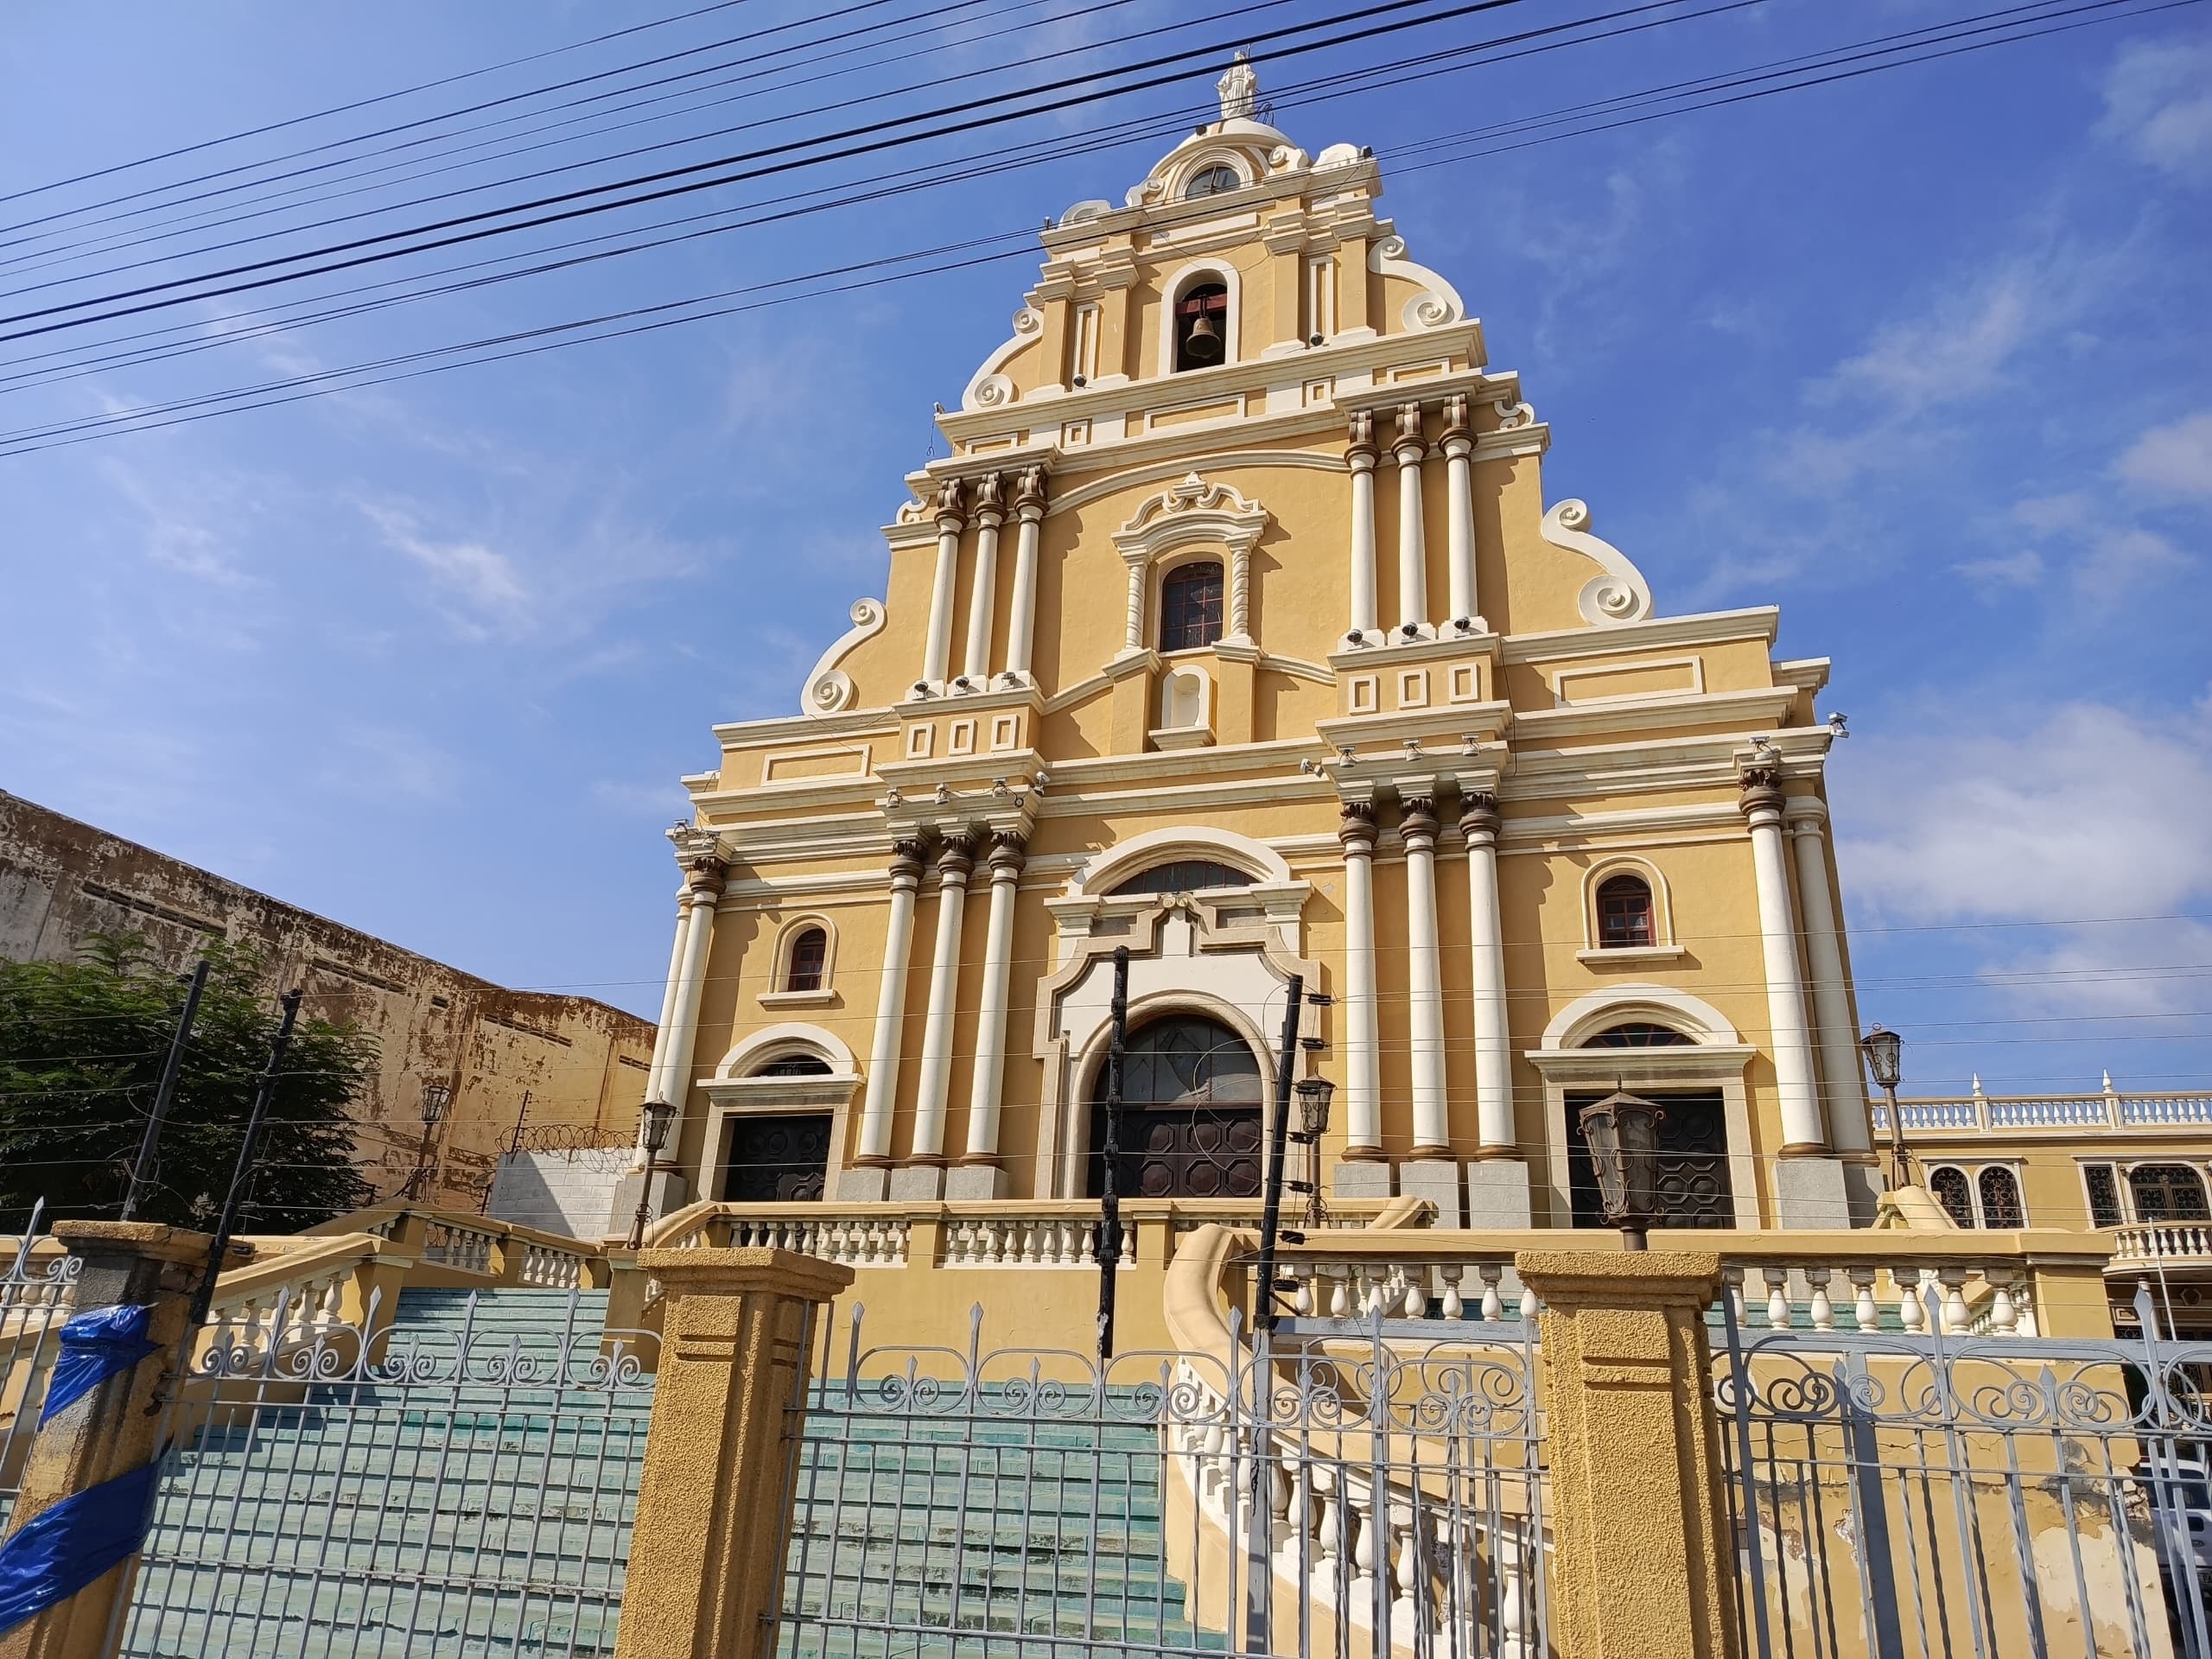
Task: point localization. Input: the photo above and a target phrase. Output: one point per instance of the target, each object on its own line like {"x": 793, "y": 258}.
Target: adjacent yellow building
{"x": 1239, "y": 629}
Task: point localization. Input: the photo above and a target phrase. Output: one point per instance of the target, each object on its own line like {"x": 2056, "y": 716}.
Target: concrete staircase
{"x": 443, "y": 1518}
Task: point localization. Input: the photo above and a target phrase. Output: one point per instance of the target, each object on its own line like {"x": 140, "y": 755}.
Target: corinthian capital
{"x": 1029, "y": 492}
{"x": 1362, "y": 442}
{"x": 951, "y": 498}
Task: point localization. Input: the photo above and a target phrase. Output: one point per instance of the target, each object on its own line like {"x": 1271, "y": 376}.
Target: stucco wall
{"x": 578, "y": 1061}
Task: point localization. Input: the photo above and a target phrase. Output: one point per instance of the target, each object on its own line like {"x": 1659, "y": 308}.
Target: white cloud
{"x": 378, "y": 763}
{"x": 1958, "y": 350}
{"x": 2158, "y": 105}
{"x": 2020, "y": 569}
{"x": 2093, "y": 817}
{"x": 484, "y": 581}
{"x": 2042, "y": 515}
{"x": 2119, "y": 561}
{"x": 2175, "y": 460}
{"x": 2094, "y": 812}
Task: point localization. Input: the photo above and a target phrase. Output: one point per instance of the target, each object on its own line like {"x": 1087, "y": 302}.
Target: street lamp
{"x": 656, "y": 1119}
{"x": 1313, "y": 1096}
{"x": 1884, "y": 1052}
{"x": 436, "y": 1097}
{"x": 1622, "y": 1132}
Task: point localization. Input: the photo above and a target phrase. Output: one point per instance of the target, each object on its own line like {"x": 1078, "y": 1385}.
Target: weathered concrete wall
{"x": 573, "y": 1060}
{"x": 569, "y": 1192}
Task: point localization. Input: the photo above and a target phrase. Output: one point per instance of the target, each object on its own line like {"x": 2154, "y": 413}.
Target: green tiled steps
{"x": 460, "y": 1519}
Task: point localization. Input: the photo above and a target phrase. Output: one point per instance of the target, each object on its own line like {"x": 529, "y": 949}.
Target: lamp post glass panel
{"x": 1622, "y": 1132}
{"x": 656, "y": 1119}
{"x": 435, "y": 1097}
{"x": 1884, "y": 1052}
{"x": 1313, "y": 1096}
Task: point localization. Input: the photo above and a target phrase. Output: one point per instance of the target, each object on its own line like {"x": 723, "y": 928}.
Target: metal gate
{"x": 1351, "y": 1498}
{"x": 461, "y": 1482}
{"x": 37, "y": 1291}
{"x": 1920, "y": 1493}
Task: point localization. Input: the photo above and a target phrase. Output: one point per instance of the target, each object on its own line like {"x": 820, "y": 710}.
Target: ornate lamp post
{"x": 1314, "y": 1095}
{"x": 1884, "y": 1051}
{"x": 1621, "y": 1131}
{"x": 435, "y": 1098}
{"x": 657, "y": 1117}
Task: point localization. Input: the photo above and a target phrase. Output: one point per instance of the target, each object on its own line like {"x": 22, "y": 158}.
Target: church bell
{"x": 1203, "y": 344}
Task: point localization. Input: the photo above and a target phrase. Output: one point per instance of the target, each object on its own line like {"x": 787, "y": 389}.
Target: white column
{"x": 1413, "y": 540}
{"x": 704, "y": 892}
{"x": 1493, "y": 1056}
{"x": 1362, "y": 454}
{"x": 890, "y": 1007}
{"x": 1134, "y": 621}
{"x": 1802, "y": 1131}
{"x": 1432, "y": 1125}
{"x": 1022, "y": 626}
{"x": 1849, "y": 1129}
{"x": 954, "y": 860}
{"x": 985, "y": 593}
{"x": 658, "y": 1069}
{"x": 936, "y": 654}
{"x": 1363, "y": 1056}
{"x": 1459, "y": 446}
{"x": 986, "y": 1094}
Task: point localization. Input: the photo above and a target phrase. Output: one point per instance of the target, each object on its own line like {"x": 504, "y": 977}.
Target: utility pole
{"x": 235, "y": 1198}
{"x": 1109, "y": 1202}
{"x": 142, "y": 1173}
{"x": 1263, "y": 1303}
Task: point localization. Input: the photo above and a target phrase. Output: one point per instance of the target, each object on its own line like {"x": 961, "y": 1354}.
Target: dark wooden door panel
{"x": 1181, "y": 1152}
{"x": 1693, "y": 1186}
{"x": 776, "y": 1158}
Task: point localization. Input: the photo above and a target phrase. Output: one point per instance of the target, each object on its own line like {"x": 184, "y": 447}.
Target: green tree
{"x": 81, "y": 1048}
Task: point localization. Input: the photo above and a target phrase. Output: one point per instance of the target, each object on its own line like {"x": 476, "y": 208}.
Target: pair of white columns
{"x": 1409, "y": 449}
{"x": 956, "y": 859}
{"x": 1431, "y": 1105}
{"x": 668, "y": 1078}
{"x": 988, "y": 515}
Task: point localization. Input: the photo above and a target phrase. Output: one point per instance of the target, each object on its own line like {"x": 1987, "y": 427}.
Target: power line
{"x": 31, "y": 440}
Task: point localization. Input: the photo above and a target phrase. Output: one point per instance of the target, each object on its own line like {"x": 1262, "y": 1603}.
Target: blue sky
{"x": 1921, "y": 356}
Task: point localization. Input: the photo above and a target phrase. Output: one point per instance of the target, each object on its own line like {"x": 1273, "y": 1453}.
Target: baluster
{"x": 1406, "y": 1596}
{"x": 1530, "y": 1305}
{"x": 1298, "y": 1510}
{"x": 1302, "y": 1303}
{"x": 1416, "y": 1297}
{"x": 1910, "y": 1313}
{"x": 1340, "y": 1294}
{"x": 2004, "y": 1317}
{"x": 1862, "y": 1304}
{"x": 1087, "y": 1233}
{"x": 1954, "y": 1280}
{"x": 1493, "y": 1306}
{"x": 1363, "y": 1549}
{"x": 1777, "y": 1298}
{"x": 1328, "y": 1561}
{"x": 1509, "y": 1584}
{"x": 1731, "y": 1278}
{"x": 1453, "y": 1307}
{"x": 1823, "y": 1310}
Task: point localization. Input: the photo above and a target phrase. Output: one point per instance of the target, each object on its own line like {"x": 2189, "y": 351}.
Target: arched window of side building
{"x": 2167, "y": 1192}
{"x": 2001, "y": 1197}
{"x": 1951, "y": 1189}
{"x": 1623, "y": 913}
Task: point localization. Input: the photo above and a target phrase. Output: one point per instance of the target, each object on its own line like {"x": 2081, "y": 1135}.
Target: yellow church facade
{"x": 1239, "y": 629}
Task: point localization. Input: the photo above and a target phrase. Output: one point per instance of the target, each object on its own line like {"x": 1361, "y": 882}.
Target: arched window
{"x": 795, "y": 1066}
{"x": 1638, "y": 1034}
{"x": 807, "y": 961}
{"x": 1190, "y": 607}
{"x": 1190, "y": 1119}
{"x": 1201, "y": 326}
{"x": 2001, "y": 1197}
{"x": 1212, "y": 181}
{"x": 1624, "y": 913}
{"x": 1951, "y": 1189}
{"x": 1185, "y": 875}
{"x": 2167, "y": 1192}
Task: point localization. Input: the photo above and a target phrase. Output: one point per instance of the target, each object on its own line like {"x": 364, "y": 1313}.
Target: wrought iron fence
{"x": 1345, "y": 1498}
{"x": 37, "y": 1288}
{"x": 1897, "y": 1492}
{"x": 463, "y": 1481}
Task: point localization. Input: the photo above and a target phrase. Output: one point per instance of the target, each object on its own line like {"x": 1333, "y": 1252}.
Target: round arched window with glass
{"x": 1190, "y": 607}
{"x": 1215, "y": 181}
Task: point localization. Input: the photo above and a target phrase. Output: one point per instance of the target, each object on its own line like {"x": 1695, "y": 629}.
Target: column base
{"x": 1366, "y": 1177}
{"x": 1497, "y": 1193}
{"x": 865, "y": 1184}
{"x": 1436, "y": 1179}
{"x": 1810, "y": 1192}
{"x": 668, "y": 1192}
{"x": 975, "y": 1181}
{"x": 917, "y": 1183}
{"x": 1864, "y": 1183}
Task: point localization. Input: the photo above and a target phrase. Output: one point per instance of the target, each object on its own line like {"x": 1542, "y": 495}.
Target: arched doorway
{"x": 1191, "y": 1099}
{"x": 778, "y": 1157}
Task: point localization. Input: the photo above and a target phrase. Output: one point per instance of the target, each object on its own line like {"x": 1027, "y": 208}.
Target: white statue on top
{"x": 1240, "y": 91}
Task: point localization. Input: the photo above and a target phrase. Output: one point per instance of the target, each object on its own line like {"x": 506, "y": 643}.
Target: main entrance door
{"x": 776, "y": 1158}
{"x": 1693, "y": 1188}
{"x": 1191, "y": 1093}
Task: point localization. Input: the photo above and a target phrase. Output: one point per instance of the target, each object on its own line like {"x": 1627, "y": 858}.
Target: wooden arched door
{"x": 1191, "y": 1118}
